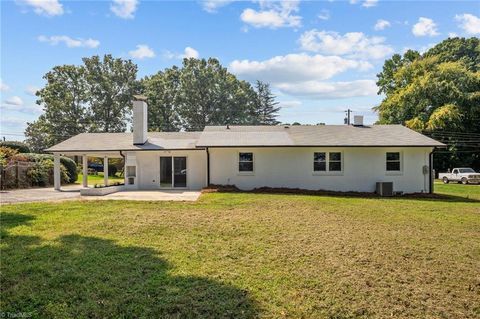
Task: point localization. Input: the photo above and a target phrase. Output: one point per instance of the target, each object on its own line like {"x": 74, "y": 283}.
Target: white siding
{"x": 148, "y": 168}
{"x": 293, "y": 168}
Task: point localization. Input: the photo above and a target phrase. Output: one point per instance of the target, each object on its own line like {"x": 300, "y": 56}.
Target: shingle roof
{"x": 313, "y": 135}
{"x": 124, "y": 142}
{"x": 253, "y": 136}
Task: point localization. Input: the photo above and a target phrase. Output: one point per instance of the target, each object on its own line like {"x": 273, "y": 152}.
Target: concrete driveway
{"x": 47, "y": 194}
{"x": 73, "y": 192}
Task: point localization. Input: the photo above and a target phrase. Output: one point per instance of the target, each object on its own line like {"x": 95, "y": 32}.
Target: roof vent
{"x": 358, "y": 120}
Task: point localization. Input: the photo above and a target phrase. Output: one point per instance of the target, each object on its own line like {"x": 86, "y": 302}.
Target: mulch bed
{"x": 300, "y": 191}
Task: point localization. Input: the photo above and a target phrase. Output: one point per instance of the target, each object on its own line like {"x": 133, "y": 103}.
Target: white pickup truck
{"x": 460, "y": 175}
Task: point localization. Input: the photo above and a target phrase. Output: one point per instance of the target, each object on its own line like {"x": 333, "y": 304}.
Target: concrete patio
{"x": 150, "y": 195}
{"x": 72, "y": 192}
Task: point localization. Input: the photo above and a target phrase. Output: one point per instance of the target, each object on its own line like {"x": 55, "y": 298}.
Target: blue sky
{"x": 321, "y": 57}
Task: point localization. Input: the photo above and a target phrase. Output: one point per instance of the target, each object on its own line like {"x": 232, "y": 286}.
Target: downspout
{"x": 208, "y": 167}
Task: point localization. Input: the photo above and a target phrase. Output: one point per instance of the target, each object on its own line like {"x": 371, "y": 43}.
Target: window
{"x": 319, "y": 162}
{"x": 333, "y": 164}
{"x": 245, "y": 162}
{"x": 335, "y": 161}
{"x": 393, "y": 162}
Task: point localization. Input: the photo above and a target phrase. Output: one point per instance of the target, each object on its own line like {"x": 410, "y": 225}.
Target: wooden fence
{"x": 15, "y": 175}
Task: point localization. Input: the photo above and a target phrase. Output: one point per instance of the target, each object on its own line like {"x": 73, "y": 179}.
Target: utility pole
{"x": 347, "y": 119}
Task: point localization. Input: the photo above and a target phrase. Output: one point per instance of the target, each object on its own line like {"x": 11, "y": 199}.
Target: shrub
{"x": 71, "y": 168}
{"x": 41, "y": 174}
{"x": 67, "y": 163}
{"x": 5, "y": 154}
{"x": 112, "y": 170}
{"x": 19, "y": 146}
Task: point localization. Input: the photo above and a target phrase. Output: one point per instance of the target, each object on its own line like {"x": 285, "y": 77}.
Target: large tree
{"x": 437, "y": 93}
{"x": 64, "y": 99}
{"x": 161, "y": 90}
{"x": 111, "y": 84}
{"x": 93, "y": 97}
{"x": 210, "y": 95}
{"x": 202, "y": 92}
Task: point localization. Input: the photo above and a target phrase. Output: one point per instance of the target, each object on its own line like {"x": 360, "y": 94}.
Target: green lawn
{"x": 98, "y": 179}
{"x": 240, "y": 255}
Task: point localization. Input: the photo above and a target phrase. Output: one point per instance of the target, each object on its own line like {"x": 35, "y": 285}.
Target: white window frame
{"x": 327, "y": 170}
{"x": 246, "y": 173}
{"x": 393, "y": 173}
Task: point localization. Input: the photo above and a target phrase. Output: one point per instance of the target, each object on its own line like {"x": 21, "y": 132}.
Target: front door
{"x": 173, "y": 171}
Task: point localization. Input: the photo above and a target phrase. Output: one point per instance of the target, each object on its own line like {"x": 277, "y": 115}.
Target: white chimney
{"x": 140, "y": 124}
{"x": 358, "y": 120}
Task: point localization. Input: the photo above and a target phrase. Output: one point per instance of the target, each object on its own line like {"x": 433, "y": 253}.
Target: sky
{"x": 320, "y": 57}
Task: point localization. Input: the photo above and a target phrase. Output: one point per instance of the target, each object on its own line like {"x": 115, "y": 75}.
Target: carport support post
{"x": 85, "y": 170}
{"x": 105, "y": 171}
{"x": 56, "y": 171}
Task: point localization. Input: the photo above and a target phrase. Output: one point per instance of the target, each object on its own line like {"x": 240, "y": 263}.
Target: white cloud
{"x": 14, "y": 100}
{"x": 142, "y": 51}
{"x": 324, "y": 15}
{"x": 353, "y": 44}
{"x": 365, "y": 3}
{"x": 289, "y": 104}
{"x": 187, "y": 53}
{"x": 3, "y": 86}
{"x": 28, "y": 109}
{"x": 295, "y": 67}
{"x": 381, "y": 24}
{"x": 70, "y": 42}
{"x": 191, "y": 53}
{"x": 425, "y": 27}
{"x": 369, "y": 3}
{"x": 212, "y": 6}
{"x": 469, "y": 23}
{"x": 124, "y": 9}
{"x": 273, "y": 14}
{"x": 31, "y": 90}
{"x": 48, "y": 8}
{"x": 303, "y": 75}
{"x": 329, "y": 90}
{"x": 452, "y": 35}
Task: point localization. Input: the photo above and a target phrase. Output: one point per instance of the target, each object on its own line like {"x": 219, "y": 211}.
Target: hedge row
{"x": 19, "y": 146}
{"x": 68, "y": 163}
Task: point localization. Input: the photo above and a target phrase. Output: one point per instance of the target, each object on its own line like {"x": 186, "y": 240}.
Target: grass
{"x": 240, "y": 255}
{"x": 98, "y": 179}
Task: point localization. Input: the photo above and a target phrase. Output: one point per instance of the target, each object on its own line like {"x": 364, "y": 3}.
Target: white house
{"x": 322, "y": 157}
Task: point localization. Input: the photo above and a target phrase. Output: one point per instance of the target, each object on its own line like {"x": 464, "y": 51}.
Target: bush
{"x": 41, "y": 174}
{"x": 5, "y": 154}
{"x": 112, "y": 170}
{"x": 19, "y": 146}
{"x": 71, "y": 167}
{"x": 67, "y": 163}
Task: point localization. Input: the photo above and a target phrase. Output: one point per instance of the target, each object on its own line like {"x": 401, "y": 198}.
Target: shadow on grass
{"x": 298, "y": 191}
{"x": 87, "y": 277}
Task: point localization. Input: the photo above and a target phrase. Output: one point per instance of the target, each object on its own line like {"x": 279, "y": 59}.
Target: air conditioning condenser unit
{"x": 384, "y": 188}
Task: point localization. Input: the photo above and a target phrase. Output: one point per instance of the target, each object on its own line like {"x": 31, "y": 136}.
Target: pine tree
{"x": 267, "y": 109}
